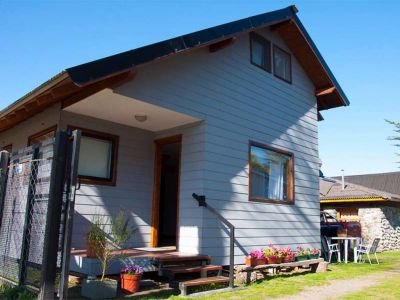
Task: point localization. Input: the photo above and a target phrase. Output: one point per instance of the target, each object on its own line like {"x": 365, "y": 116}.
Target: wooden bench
{"x": 311, "y": 263}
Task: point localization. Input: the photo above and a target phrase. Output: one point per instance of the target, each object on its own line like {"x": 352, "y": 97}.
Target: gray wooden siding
{"x": 133, "y": 191}
{"x": 240, "y": 102}
{"x": 18, "y": 135}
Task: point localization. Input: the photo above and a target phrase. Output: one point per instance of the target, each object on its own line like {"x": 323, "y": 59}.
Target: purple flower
{"x": 132, "y": 270}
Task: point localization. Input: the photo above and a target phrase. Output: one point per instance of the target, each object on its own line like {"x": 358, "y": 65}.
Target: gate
{"x": 37, "y": 186}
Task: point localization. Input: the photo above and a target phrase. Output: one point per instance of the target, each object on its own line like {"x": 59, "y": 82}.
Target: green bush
{"x": 9, "y": 292}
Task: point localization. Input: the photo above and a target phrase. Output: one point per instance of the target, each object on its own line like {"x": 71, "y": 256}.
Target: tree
{"x": 396, "y": 137}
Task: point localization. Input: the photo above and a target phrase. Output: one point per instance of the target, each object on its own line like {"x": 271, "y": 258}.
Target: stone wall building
{"x": 373, "y": 200}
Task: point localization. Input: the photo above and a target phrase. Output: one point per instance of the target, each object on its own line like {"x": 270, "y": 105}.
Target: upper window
{"x": 282, "y": 64}
{"x": 97, "y": 157}
{"x": 42, "y": 135}
{"x": 271, "y": 174}
{"x": 260, "y": 52}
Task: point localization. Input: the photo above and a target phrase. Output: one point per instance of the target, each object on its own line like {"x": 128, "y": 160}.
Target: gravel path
{"x": 342, "y": 287}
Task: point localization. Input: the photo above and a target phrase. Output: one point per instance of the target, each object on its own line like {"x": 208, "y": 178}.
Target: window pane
{"x": 257, "y": 53}
{"x": 261, "y": 52}
{"x": 95, "y": 157}
{"x": 282, "y": 64}
{"x": 38, "y": 138}
{"x": 269, "y": 171}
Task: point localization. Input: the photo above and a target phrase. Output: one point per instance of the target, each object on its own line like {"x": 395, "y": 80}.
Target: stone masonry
{"x": 383, "y": 223}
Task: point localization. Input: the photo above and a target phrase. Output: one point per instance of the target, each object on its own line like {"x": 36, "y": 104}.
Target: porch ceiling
{"x": 120, "y": 109}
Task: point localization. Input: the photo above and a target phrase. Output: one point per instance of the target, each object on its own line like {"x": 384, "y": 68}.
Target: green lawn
{"x": 288, "y": 285}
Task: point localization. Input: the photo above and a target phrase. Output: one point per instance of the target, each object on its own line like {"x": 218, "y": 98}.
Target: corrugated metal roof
{"x": 332, "y": 189}
{"x": 387, "y": 182}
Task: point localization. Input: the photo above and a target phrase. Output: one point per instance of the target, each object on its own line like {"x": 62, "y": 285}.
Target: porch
{"x": 150, "y": 151}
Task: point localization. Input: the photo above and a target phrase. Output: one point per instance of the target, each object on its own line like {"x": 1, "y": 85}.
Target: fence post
{"x": 73, "y": 160}
{"x": 27, "y": 222}
{"x": 4, "y": 158}
{"x": 53, "y": 218}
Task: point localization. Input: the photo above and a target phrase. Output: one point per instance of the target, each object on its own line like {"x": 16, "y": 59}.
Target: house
{"x": 228, "y": 112}
{"x": 372, "y": 199}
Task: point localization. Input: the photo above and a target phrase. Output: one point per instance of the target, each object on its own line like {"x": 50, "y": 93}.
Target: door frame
{"x": 155, "y": 210}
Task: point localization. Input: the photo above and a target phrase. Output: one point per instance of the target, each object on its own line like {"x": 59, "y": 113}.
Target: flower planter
{"x": 274, "y": 260}
{"x": 313, "y": 256}
{"x": 301, "y": 257}
{"x": 130, "y": 283}
{"x": 97, "y": 289}
{"x": 259, "y": 261}
{"x": 252, "y": 262}
{"x": 288, "y": 259}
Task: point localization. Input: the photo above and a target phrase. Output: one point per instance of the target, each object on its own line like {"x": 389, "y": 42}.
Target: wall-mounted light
{"x": 140, "y": 117}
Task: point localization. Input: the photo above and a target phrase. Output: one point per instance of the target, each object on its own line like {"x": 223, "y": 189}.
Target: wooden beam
{"x": 66, "y": 92}
{"x": 89, "y": 90}
{"x": 325, "y": 91}
{"x": 221, "y": 45}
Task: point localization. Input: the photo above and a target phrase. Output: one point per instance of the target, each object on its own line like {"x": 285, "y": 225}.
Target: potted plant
{"x": 301, "y": 254}
{"x": 257, "y": 258}
{"x": 287, "y": 255}
{"x": 118, "y": 233}
{"x": 272, "y": 255}
{"x": 314, "y": 253}
{"x": 130, "y": 278}
{"x": 95, "y": 238}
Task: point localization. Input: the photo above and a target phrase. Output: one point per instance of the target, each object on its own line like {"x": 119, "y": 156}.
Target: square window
{"x": 42, "y": 136}
{"x": 271, "y": 174}
{"x": 282, "y": 64}
{"x": 97, "y": 157}
{"x": 260, "y": 52}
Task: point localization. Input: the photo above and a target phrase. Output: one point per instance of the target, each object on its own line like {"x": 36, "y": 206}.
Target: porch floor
{"x": 147, "y": 259}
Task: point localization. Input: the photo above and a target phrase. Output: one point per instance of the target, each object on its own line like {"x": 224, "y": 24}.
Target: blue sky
{"x": 359, "y": 40}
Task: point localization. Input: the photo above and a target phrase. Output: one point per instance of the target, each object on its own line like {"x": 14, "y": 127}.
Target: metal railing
{"x": 202, "y": 202}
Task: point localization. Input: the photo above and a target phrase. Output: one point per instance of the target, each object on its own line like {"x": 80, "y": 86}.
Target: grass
{"x": 284, "y": 285}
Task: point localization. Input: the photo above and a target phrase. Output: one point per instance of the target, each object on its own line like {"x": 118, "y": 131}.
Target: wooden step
{"x": 201, "y": 281}
{"x": 166, "y": 260}
{"x": 194, "y": 269}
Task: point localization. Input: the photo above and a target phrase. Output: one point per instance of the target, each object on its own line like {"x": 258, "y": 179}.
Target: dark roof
{"x": 387, "y": 182}
{"x": 328, "y": 91}
{"x": 332, "y": 189}
{"x": 95, "y": 70}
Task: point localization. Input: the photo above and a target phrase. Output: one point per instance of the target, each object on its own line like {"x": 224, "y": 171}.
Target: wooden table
{"x": 346, "y": 245}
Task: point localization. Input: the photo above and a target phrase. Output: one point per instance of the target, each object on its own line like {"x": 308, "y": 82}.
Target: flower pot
{"x": 288, "y": 259}
{"x": 274, "y": 260}
{"x": 259, "y": 261}
{"x": 130, "y": 283}
{"x": 313, "y": 256}
{"x": 94, "y": 248}
{"x": 301, "y": 257}
{"x": 97, "y": 289}
{"x": 248, "y": 261}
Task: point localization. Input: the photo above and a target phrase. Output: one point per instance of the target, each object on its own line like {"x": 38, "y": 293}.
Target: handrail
{"x": 202, "y": 202}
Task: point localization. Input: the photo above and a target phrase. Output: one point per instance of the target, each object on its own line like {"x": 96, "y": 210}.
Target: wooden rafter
{"x": 66, "y": 92}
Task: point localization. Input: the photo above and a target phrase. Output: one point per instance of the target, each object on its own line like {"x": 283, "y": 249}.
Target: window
{"x": 97, "y": 157}
{"x": 260, "y": 52}
{"x": 42, "y": 135}
{"x": 348, "y": 214}
{"x": 282, "y": 64}
{"x": 271, "y": 174}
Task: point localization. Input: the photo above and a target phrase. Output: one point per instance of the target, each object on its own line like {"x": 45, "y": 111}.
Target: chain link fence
{"x": 34, "y": 202}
